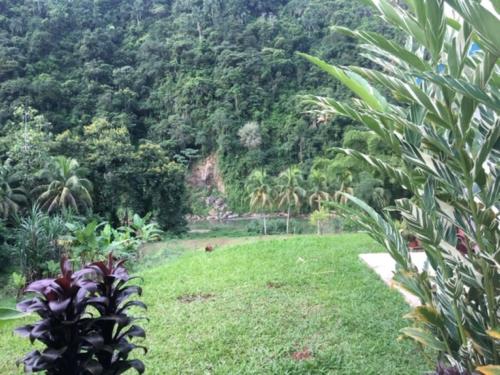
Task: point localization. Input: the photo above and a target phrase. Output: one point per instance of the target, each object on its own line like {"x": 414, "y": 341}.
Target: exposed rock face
{"x": 205, "y": 174}
{"x": 218, "y": 209}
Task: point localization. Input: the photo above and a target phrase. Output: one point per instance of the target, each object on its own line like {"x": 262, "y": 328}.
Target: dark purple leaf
{"x": 58, "y": 307}
{"x": 39, "y": 286}
{"x": 129, "y": 304}
{"x": 98, "y": 300}
{"x": 31, "y": 305}
{"x": 134, "y": 331}
{"x": 50, "y": 355}
{"x": 124, "y": 293}
{"x": 93, "y": 367}
{"x": 24, "y": 331}
{"x": 123, "y": 366}
{"x": 96, "y": 340}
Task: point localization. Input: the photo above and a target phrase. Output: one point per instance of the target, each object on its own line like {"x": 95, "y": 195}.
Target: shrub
{"x": 77, "y": 340}
{"x": 36, "y": 242}
{"x": 319, "y": 218}
{"x": 250, "y": 135}
{"x": 255, "y": 227}
{"x": 16, "y": 283}
{"x": 446, "y": 131}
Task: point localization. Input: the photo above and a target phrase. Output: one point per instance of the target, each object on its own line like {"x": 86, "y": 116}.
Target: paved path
{"x": 384, "y": 266}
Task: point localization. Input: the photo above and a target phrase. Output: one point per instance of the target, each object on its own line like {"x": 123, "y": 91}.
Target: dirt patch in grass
{"x": 189, "y": 298}
{"x": 303, "y": 355}
{"x": 274, "y": 285}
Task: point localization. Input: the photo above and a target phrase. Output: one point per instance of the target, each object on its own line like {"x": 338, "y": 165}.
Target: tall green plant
{"x": 444, "y": 124}
{"x": 65, "y": 187}
{"x": 291, "y": 191}
{"x": 318, "y": 188}
{"x": 260, "y": 193}
{"x": 12, "y": 194}
{"x": 36, "y": 242}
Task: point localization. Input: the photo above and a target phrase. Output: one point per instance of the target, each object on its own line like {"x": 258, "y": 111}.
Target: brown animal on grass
{"x": 209, "y": 248}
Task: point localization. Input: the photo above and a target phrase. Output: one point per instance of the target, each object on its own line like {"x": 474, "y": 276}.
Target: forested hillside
{"x": 137, "y": 90}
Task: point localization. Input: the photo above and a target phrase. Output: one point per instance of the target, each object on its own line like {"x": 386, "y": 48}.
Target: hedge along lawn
{"x": 297, "y": 305}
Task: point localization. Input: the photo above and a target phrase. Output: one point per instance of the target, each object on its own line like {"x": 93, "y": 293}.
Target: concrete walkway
{"x": 384, "y": 266}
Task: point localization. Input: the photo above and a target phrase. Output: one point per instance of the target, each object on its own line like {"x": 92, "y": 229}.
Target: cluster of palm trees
{"x": 61, "y": 187}
{"x": 289, "y": 191}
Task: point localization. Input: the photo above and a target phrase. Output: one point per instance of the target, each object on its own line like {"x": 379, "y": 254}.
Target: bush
{"x": 255, "y": 227}
{"x": 446, "y": 132}
{"x": 36, "y": 242}
{"x": 75, "y": 340}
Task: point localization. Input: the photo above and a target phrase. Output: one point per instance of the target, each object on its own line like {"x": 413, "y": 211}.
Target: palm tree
{"x": 318, "y": 188}
{"x": 10, "y": 196}
{"x": 65, "y": 189}
{"x": 345, "y": 187}
{"x": 290, "y": 191}
{"x": 260, "y": 193}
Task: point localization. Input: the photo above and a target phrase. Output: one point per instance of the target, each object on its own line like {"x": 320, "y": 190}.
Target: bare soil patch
{"x": 274, "y": 285}
{"x": 303, "y": 355}
{"x": 189, "y": 298}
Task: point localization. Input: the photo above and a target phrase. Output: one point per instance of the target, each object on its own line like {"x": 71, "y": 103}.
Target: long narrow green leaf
{"x": 399, "y": 18}
{"x": 354, "y": 82}
{"x": 425, "y": 338}
{"x": 485, "y": 23}
{"x": 465, "y": 88}
{"x": 392, "y": 48}
{"x": 397, "y": 174}
{"x": 7, "y": 314}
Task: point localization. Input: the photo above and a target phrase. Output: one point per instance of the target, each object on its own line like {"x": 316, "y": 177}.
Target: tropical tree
{"x": 444, "y": 125}
{"x": 318, "y": 218}
{"x": 65, "y": 188}
{"x": 318, "y": 188}
{"x": 260, "y": 193}
{"x": 12, "y": 195}
{"x": 290, "y": 185}
{"x": 345, "y": 188}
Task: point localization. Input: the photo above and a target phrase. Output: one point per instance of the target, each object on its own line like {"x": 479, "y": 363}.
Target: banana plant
{"x": 144, "y": 229}
{"x": 442, "y": 120}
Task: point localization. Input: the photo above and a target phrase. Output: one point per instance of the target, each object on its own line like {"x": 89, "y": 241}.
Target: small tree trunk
{"x": 200, "y": 35}
{"x": 265, "y": 225}
{"x": 288, "y": 220}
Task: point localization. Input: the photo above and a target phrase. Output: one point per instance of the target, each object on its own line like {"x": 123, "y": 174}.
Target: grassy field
{"x": 296, "y": 305}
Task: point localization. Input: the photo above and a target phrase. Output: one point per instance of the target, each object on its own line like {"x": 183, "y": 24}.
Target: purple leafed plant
{"x": 84, "y": 326}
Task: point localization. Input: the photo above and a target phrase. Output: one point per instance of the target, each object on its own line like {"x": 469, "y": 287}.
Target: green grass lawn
{"x": 298, "y": 305}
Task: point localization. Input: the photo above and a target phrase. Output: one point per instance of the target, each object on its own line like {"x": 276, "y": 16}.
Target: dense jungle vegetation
{"x": 137, "y": 90}
{"x": 105, "y": 106}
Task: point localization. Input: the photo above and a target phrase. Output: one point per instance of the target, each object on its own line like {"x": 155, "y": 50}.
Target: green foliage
{"x": 348, "y": 174}
{"x": 16, "y": 283}
{"x": 65, "y": 188}
{"x": 91, "y": 241}
{"x": 8, "y": 314}
{"x": 184, "y": 74}
{"x": 290, "y": 191}
{"x": 318, "y": 218}
{"x": 27, "y": 142}
{"x": 36, "y": 242}
{"x": 139, "y": 178}
{"x": 284, "y": 280}
{"x": 12, "y": 194}
{"x": 145, "y": 230}
{"x": 445, "y": 129}
{"x": 261, "y": 194}
{"x": 318, "y": 188}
